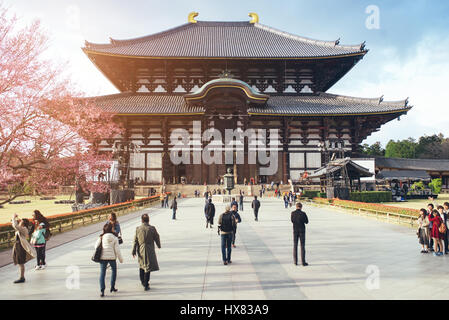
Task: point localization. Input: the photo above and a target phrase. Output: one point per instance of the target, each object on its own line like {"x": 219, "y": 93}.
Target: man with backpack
{"x": 299, "y": 220}
{"x": 226, "y": 224}
{"x": 256, "y": 205}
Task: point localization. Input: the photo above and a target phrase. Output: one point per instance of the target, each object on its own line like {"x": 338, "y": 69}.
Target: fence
{"x": 68, "y": 221}
{"x": 390, "y": 217}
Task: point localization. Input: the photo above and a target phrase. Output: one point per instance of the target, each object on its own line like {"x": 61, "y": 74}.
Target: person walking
{"x": 174, "y": 207}
{"x": 234, "y": 202}
{"x": 238, "y": 219}
{"x": 299, "y": 220}
{"x": 162, "y": 198}
{"x": 256, "y": 206}
{"x": 423, "y": 230}
{"x": 144, "y": 240}
{"x": 285, "y": 201}
{"x": 209, "y": 212}
{"x": 436, "y": 234}
{"x": 226, "y": 224}
{"x": 23, "y": 251}
{"x": 241, "y": 198}
{"x": 38, "y": 242}
{"x": 109, "y": 254}
{"x": 38, "y": 219}
{"x": 116, "y": 230}
{"x": 166, "y": 199}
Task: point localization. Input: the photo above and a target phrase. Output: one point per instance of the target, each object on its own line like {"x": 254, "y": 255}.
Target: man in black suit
{"x": 256, "y": 205}
{"x": 299, "y": 220}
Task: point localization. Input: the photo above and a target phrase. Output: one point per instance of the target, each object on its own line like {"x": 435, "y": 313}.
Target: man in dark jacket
{"x": 233, "y": 202}
{"x": 226, "y": 223}
{"x": 174, "y": 207}
{"x": 144, "y": 240}
{"x": 209, "y": 212}
{"x": 256, "y": 205}
{"x": 299, "y": 220}
{"x": 238, "y": 219}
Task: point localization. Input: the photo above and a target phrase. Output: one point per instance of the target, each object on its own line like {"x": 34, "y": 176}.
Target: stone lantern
{"x": 228, "y": 180}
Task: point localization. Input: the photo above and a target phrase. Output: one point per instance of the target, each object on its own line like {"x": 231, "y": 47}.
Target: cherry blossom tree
{"x": 48, "y": 131}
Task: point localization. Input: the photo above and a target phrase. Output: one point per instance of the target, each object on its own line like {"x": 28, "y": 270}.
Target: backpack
{"x": 47, "y": 234}
{"x": 226, "y": 222}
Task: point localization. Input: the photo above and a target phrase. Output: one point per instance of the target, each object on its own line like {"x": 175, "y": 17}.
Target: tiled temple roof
{"x": 208, "y": 39}
{"x": 320, "y": 104}
{"x": 413, "y": 164}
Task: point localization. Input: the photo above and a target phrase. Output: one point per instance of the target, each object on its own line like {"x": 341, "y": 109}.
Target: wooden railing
{"x": 390, "y": 217}
{"x": 68, "y": 221}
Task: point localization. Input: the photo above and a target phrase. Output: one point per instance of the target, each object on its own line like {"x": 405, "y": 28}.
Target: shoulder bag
{"x": 97, "y": 255}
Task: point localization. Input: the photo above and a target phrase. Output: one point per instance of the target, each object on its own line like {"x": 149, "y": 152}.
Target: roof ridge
{"x": 379, "y": 100}
{"x": 324, "y": 43}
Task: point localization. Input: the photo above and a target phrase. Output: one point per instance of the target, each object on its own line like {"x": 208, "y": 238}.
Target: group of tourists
{"x": 33, "y": 234}
{"x": 289, "y": 199}
{"x": 31, "y": 238}
{"x": 433, "y": 228}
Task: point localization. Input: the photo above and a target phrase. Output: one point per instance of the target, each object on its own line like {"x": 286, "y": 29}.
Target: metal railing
{"x": 390, "y": 217}
{"x": 73, "y": 220}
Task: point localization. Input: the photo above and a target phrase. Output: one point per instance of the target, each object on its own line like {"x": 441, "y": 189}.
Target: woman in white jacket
{"x": 109, "y": 254}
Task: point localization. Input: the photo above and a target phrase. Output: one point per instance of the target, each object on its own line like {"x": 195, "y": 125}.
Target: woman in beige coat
{"x": 22, "y": 251}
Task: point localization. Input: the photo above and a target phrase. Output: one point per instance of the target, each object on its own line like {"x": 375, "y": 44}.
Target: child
{"x": 38, "y": 242}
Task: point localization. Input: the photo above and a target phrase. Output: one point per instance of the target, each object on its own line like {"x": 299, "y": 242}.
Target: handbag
{"x": 97, "y": 255}
{"x": 442, "y": 228}
{"x": 120, "y": 240}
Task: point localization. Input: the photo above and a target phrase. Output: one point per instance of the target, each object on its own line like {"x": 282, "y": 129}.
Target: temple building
{"x": 228, "y": 75}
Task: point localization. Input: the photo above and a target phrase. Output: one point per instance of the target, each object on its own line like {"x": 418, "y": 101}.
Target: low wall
{"x": 63, "y": 222}
{"x": 383, "y": 215}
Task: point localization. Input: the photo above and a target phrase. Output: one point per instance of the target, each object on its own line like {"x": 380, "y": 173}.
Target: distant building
{"x": 435, "y": 168}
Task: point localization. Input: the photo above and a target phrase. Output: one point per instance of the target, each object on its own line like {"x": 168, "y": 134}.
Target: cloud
{"x": 422, "y": 75}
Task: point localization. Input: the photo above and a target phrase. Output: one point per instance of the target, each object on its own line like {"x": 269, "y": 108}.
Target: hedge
{"x": 323, "y": 200}
{"x": 371, "y": 196}
{"x": 376, "y": 207}
{"x": 310, "y": 194}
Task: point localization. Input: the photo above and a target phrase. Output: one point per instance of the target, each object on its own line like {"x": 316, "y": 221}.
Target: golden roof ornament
{"x": 254, "y": 16}
{"x": 191, "y": 17}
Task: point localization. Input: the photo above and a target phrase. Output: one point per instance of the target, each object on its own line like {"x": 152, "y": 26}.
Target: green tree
{"x": 430, "y": 147}
{"x": 435, "y": 185}
{"x": 401, "y": 149}
{"x": 373, "y": 150}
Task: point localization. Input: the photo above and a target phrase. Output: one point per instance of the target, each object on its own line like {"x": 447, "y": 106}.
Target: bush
{"x": 310, "y": 194}
{"x": 371, "y": 196}
{"x": 322, "y": 195}
{"x": 435, "y": 185}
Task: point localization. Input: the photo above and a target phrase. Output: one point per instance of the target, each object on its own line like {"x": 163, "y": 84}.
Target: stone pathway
{"x": 350, "y": 257}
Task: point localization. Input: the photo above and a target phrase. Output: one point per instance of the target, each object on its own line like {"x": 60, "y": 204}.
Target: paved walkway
{"x": 350, "y": 257}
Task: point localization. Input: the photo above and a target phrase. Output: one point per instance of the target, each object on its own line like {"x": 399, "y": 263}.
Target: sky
{"x": 408, "y": 43}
